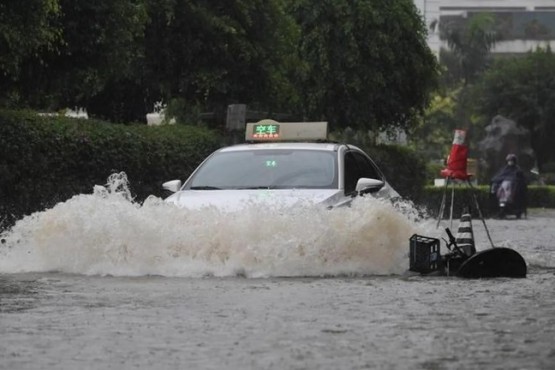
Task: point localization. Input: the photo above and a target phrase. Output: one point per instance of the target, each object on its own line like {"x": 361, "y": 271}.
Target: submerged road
{"x": 69, "y": 321}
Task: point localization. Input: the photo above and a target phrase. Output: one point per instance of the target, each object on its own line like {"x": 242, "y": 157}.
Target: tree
{"x": 433, "y": 134}
{"x": 101, "y": 49}
{"x": 362, "y": 63}
{"x": 523, "y": 89}
{"x": 211, "y": 54}
{"x": 470, "y": 43}
{"x": 368, "y": 62}
{"x": 27, "y": 28}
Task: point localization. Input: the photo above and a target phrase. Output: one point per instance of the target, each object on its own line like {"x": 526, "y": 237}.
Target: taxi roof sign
{"x": 270, "y": 130}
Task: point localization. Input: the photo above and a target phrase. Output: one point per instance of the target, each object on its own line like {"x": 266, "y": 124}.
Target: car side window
{"x": 356, "y": 167}
{"x": 366, "y": 167}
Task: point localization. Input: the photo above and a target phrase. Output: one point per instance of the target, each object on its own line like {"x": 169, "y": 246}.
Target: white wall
{"x": 430, "y": 10}
{"x": 433, "y": 9}
{"x": 517, "y": 4}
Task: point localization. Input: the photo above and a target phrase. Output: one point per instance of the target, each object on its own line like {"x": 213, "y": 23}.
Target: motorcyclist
{"x": 509, "y": 188}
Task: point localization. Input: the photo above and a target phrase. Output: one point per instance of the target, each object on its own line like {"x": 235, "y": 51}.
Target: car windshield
{"x": 268, "y": 169}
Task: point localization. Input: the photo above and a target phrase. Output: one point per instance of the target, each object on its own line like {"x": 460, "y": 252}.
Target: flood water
{"x": 100, "y": 282}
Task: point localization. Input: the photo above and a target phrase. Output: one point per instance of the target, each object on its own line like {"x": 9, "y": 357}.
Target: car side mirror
{"x": 172, "y": 186}
{"x": 366, "y": 185}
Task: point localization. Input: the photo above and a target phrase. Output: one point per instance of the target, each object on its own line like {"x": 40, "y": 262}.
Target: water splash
{"x": 108, "y": 233}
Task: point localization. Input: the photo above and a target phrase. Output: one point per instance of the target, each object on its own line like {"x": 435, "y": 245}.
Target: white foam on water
{"x": 106, "y": 233}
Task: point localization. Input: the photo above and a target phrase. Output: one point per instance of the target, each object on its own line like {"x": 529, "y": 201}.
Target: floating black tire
{"x": 494, "y": 262}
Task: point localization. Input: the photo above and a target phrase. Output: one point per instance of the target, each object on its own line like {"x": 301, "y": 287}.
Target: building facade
{"x": 524, "y": 24}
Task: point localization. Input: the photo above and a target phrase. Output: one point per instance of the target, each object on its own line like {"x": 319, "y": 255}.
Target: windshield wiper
{"x": 205, "y": 188}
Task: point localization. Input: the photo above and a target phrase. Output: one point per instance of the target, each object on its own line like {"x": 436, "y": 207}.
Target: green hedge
{"x": 403, "y": 169}
{"x": 45, "y": 160}
{"x": 538, "y": 197}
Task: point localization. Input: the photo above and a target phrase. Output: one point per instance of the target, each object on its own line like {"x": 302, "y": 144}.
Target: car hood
{"x": 231, "y": 200}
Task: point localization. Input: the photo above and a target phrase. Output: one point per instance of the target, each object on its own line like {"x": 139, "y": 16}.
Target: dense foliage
{"x": 206, "y": 56}
{"x": 469, "y": 46}
{"x": 340, "y": 61}
{"x": 44, "y": 160}
{"x": 452, "y": 105}
{"x": 477, "y": 86}
{"x": 368, "y": 62}
{"x": 95, "y": 63}
{"x": 523, "y": 89}
{"x": 28, "y": 29}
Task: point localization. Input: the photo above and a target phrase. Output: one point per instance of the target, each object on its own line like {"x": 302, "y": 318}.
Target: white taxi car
{"x": 281, "y": 163}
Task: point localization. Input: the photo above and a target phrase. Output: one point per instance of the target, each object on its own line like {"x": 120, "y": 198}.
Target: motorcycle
{"x": 508, "y": 197}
